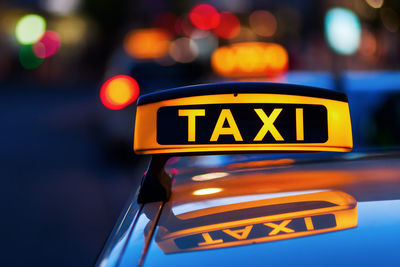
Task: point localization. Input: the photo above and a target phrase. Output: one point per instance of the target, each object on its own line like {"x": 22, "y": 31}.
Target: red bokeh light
{"x": 228, "y": 27}
{"x": 48, "y": 45}
{"x": 204, "y": 17}
{"x": 167, "y": 22}
{"x": 184, "y": 26}
{"x": 119, "y": 91}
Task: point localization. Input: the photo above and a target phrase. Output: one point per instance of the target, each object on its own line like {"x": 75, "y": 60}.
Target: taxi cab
{"x": 255, "y": 174}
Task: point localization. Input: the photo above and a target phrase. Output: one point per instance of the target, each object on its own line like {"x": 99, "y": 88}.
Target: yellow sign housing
{"x": 242, "y": 117}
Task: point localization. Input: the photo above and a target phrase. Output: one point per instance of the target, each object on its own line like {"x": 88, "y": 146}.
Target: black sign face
{"x": 242, "y": 124}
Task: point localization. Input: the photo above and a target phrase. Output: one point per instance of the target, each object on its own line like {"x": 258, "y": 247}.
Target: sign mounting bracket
{"x": 156, "y": 183}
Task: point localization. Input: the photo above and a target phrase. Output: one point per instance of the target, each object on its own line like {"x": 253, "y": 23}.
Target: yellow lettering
{"x": 309, "y": 223}
{"x": 191, "y": 114}
{"x": 268, "y": 124}
{"x": 209, "y": 241}
{"x": 226, "y": 114}
{"x": 279, "y": 227}
{"x": 299, "y": 124}
{"x": 239, "y": 234}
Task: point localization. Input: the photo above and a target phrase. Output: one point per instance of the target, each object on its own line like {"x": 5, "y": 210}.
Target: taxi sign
{"x": 242, "y": 117}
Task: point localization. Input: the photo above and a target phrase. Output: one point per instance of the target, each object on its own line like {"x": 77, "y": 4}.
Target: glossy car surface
{"x": 255, "y": 209}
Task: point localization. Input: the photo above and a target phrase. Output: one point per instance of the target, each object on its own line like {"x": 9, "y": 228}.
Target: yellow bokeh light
{"x": 207, "y": 191}
{"x": 72, "y": 30}
{"x": 375, "y": 3}
{"x": 119, "y": 91}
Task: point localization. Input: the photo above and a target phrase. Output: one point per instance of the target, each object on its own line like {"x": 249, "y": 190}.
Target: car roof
{"x": 361, "y": 191}
{"x": 372, "y": 180}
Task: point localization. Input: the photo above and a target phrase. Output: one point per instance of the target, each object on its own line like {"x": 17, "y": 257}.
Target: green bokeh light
{"x": 28, "y": 58}
{"x": 30, "y": 28}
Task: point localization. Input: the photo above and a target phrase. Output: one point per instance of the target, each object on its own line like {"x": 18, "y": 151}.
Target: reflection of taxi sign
{"x": 258, "y": 221}
{"x": 242, "y": 117}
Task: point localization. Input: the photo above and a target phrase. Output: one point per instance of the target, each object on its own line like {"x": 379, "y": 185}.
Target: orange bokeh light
{"x": 263, "y": 23}
{"x": 204, "y": 17}
{"x": 229, "y": 26}
{"x": 250, "y": 59}
{"x": 119, "y": 91}
{"x": 147, "y": 43}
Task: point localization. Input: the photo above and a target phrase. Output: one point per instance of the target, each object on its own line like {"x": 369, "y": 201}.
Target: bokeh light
{"x": 28, "y": 58}
{"x": 390, "y": 19}
{"x": 184, "y": 26}
{"x": 61, "y": 7}
{"x": 245, "y": 35}
{"x": 342, "y": 30}
{"x": 375, "y": 3}
{"x": 30, "y": 28}
{"x": 147, "y": 43}
{"x": 251, "y": 59}
{"x": 199, "y": 34}
{"x": 184, "y": 50}
{"x": 9, "y": 20}
{"x": 72, "y": 29}
{"x": 369, "y": 44}
{"x": 166, "y": 21}
{"x": 206, "y": 46}
{"x": 263, "y": 23}
{"x": 119, "y": 91}
{"x": 48, "y": 45}
{"x": 277, "y": 60}
{"x": 229, "y": 26}
{"x": 364, "y": 10}
{"x": 204, "y": 17}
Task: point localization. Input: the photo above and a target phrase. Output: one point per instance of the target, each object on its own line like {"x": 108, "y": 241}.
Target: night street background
{"x": 67, "y": 166}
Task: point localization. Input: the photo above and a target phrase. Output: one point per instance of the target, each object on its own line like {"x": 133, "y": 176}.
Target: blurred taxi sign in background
{"x": 242, "y": 117}
{"x": 250, "y": 59}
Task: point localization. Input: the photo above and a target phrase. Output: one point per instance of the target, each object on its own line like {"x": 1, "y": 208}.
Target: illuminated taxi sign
{"x": 242, "y": 117}
{"x": 258, "y": 221}
{"x": 242, "y": 123}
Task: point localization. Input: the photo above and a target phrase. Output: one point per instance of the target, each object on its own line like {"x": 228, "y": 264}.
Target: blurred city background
{"x": 71, "y": 71}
